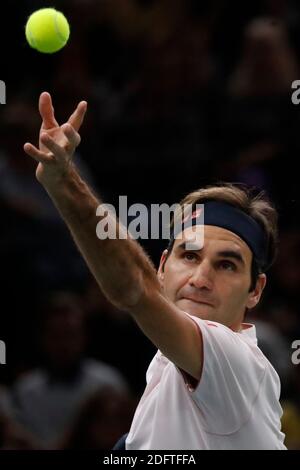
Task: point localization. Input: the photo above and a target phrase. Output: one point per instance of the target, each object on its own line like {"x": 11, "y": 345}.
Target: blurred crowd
{"x": 181, "y": 94}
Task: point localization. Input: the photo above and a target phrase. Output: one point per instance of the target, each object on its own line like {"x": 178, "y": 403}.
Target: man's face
{"x": 212, "y": 282}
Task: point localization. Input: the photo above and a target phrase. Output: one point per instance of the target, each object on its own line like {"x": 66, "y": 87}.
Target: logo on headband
{"x": 195, "y": 214}
{"x": 191, "y": 219}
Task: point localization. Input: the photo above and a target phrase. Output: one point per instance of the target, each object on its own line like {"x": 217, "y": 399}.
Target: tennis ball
{"x": 47, "y": 30}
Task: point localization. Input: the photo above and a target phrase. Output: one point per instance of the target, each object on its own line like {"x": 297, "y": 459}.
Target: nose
{"x": 202, "y": 277}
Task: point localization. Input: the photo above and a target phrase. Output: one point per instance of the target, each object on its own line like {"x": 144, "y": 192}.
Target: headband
{"x": 226, "y": 216}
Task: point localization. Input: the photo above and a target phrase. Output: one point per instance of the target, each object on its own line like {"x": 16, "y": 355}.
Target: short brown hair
{"x": 254, "y": 203}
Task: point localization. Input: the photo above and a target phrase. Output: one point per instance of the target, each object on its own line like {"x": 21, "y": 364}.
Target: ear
{"x": 255, "y": 295}
{"x": 160, "y": 272}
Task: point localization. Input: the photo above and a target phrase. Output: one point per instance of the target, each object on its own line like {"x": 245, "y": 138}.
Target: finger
{"x": 76, "y": 119}
{"x": 73, "y": 137}
{"x": 58, "y": 151}
{"x": 47, "y": 111}
{"x": 36, "y": 154}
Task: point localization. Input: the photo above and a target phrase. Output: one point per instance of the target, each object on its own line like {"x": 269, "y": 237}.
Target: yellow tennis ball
{"x": 47, "y": 30}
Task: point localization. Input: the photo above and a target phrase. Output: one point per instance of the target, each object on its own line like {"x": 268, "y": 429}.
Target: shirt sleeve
{"x": 232, "y": 373}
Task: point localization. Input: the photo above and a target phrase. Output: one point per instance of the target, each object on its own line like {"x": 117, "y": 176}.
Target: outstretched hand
{"x": 57, "y": 144}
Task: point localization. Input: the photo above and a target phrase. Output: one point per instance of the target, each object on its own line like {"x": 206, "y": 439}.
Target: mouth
{"x": 198, "y": 302}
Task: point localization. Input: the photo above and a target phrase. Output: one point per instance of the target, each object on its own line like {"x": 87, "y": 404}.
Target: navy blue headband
{"x": 224, "y": 215}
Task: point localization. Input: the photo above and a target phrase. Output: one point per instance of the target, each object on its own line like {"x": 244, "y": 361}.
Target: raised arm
{"x": 120, "y": 266}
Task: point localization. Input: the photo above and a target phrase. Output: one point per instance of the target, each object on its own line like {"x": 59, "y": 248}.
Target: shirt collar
{"x": 249, "y": 332}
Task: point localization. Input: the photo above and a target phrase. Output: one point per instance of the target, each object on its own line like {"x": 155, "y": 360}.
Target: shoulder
{"x": 30, "y": 386}
{"x": 102, "y": 373}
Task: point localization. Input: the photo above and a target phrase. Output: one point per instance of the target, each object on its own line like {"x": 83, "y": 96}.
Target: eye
{"x": 190, "y": 256}
{"x": 227, "y": 266}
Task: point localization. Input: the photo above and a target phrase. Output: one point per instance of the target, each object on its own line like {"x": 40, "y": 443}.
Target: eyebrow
{"x": 221, "y": 254}
{"x": 231, "y": 254}
{"x": 193, "y": 246}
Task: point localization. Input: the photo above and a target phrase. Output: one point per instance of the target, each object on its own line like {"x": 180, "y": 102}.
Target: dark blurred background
{"x": 181, "y": 94}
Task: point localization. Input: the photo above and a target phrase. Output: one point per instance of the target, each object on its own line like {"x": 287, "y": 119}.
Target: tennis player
{"x": 209, "y": 385}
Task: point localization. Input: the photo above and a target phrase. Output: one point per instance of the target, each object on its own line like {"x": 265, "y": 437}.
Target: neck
{"x": 237, "y": 326}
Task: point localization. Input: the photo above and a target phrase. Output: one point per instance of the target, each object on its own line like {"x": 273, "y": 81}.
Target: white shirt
{"x": 235, "y": 405}
{"x": 47, "y": 407}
